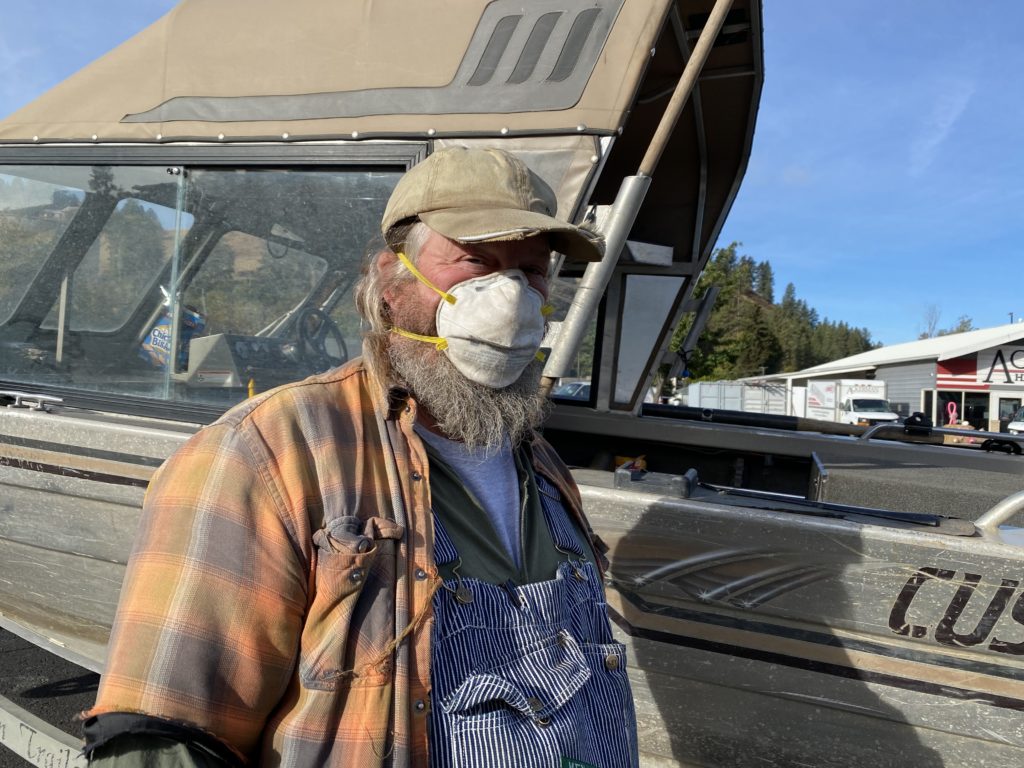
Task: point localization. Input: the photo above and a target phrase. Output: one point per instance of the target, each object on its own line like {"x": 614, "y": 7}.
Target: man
{"x": 384, "y": 564}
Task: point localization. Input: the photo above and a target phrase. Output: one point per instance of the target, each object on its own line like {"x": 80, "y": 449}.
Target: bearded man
{"x": 384, "y": 564}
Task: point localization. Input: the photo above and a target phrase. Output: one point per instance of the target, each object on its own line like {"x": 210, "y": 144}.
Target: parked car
{"x": 573, "y": 390}
{"x": 1016, "y": 425}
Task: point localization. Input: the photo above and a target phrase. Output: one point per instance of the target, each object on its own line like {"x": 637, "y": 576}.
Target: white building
{"x": 977, "y": 376}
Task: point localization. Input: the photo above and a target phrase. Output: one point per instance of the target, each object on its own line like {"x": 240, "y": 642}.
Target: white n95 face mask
{"x": 491, "y": 327}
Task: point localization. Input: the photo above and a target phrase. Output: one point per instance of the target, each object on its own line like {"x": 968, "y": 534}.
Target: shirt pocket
{"x": 347, "y": 624}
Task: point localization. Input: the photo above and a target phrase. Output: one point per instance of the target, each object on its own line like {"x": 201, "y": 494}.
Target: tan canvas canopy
{"x": 262, "y": 71}
{"x": 222, "y": 70}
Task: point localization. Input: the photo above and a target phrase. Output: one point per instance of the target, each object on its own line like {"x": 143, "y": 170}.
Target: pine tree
{"x": 747, "y": 334}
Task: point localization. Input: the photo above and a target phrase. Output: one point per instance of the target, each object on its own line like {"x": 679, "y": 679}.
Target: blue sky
{"x": 888, "y": 162}
{"x": 887, "y": 175}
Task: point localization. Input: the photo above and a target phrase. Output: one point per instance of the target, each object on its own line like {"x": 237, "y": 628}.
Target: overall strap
{"x": 561, "y": 527}
{"x": 444, "y": 549}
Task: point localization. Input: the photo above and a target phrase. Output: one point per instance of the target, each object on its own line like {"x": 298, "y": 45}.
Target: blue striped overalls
{"x": 528, "y": 676}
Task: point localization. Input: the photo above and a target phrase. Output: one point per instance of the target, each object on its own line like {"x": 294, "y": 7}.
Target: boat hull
{"x": 811, "y": 641}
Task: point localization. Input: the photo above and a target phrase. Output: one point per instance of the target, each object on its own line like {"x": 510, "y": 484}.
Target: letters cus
{"x": 945, "y": 631}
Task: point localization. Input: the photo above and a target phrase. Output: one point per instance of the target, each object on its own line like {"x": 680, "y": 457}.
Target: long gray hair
{"x": 374, "y": 281}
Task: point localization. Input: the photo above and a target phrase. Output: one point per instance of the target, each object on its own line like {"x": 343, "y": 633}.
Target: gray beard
{"x": 472, "y": 413}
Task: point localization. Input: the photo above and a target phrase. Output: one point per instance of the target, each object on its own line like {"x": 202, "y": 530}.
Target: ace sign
{"x": 1001, "y": 366}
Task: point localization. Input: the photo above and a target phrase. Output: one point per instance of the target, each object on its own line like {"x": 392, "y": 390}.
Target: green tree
{"x": 793, "y": 323}
{"x": 764, "y": 281}
{"x": 963, "y": 324}
{"x": 747, "y": 334}
{"x": 757, "y": 350}
{"x": 931, "y": 329}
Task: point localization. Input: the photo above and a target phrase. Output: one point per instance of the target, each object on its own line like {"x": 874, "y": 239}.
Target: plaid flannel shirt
{"x": 248, "y": 612}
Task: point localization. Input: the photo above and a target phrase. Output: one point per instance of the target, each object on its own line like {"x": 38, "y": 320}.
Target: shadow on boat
{"x": 748, "y": 652}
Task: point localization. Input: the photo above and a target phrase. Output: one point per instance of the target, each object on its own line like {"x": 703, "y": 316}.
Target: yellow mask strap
{"x": 419, "y": 276}
{"x": 439, "y": 343}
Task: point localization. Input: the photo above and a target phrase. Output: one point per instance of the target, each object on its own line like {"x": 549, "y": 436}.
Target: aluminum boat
{"x": 181, "y": 224}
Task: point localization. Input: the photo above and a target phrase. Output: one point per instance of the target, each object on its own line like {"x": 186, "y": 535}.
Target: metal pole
{"x": 626, "y": 207}
{"x": 691, "y": 71}
{"x": 1001, "y": 513}
{"x": 595, "y": 280}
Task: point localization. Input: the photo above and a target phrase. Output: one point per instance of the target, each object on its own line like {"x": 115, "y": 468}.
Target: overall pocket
{"x": 559, "y": 700}
{"x": 348, "y": 623}
{"x": 523, "y": 706}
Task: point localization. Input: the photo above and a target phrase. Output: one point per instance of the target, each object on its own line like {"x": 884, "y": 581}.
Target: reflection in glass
{"x": 110, "y": 287}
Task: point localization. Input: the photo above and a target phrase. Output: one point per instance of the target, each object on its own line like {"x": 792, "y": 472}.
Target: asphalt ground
{"x": 49, "y": 687}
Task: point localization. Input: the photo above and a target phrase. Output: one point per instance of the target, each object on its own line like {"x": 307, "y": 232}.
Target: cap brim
{"x": 486, "y": 225}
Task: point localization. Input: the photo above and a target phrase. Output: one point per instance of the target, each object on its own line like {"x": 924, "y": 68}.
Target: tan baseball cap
{"x": 484, "y": 195}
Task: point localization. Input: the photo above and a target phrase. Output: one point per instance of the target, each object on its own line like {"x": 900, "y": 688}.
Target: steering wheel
{"x": 314, "y": 337}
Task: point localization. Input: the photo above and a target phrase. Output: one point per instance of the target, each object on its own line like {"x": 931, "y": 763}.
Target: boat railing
{"x": 1001, "y": 442}
{"x": 1000, "y": 513}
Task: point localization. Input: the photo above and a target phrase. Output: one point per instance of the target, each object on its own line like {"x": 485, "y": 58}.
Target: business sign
{"x": 1001, "y": 367}
{"x": 995, "y": 368}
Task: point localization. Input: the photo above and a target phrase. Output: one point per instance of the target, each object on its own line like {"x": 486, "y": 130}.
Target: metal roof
{"x": 937, "y": 348}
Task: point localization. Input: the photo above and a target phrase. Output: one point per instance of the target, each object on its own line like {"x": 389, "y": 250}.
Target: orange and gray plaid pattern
{"x": 279, "y": 592}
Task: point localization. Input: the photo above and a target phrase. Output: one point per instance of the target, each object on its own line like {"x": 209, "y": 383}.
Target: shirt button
{"x": 357, "y": 575}
{"x": 535, "y": 704}
{"x": 417, "y": 476}
{"x": 611, "y": 662}
{"x": 421, "y": 575}
{"x": 420, "y": 705}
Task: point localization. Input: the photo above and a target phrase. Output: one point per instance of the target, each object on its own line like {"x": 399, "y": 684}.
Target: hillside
{"x": 749, "y": 333}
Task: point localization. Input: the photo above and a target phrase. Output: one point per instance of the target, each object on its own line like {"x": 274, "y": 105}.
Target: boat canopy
{"x": 316, "y": 70}
{"x": 241, "y": 70}
{"x": 579, "y": 89}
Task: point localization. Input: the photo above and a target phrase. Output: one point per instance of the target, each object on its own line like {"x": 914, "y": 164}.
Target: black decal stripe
{"x": 836, "y": 670}
{"x": 77, "y": 450}
{"x": 825, "y": 639}
{"x": 77, "y": 474}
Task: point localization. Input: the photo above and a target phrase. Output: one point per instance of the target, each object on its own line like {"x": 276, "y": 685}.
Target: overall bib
{"x": 528, "y": 676}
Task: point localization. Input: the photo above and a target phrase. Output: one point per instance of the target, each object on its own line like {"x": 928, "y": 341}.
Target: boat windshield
{"x": 192, "y": 284}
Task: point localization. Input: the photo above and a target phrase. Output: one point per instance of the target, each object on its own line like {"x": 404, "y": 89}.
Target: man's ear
{"x": 386, "y": 261}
